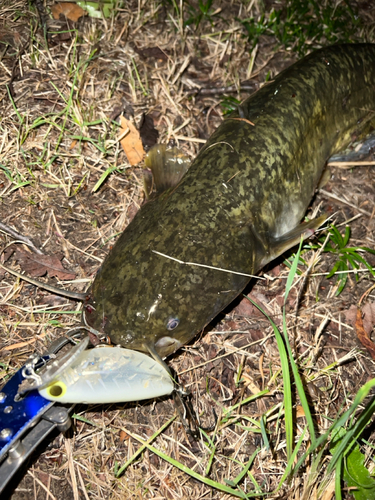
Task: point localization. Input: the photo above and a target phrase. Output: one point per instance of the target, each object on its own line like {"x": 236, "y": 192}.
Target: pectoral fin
{"x": 325, "y": 178}
{"x": 168, "y": 165}
{"x": 288, "y": 240}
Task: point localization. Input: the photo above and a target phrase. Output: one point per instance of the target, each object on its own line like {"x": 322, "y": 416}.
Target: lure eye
{"x": 172, "y": 323}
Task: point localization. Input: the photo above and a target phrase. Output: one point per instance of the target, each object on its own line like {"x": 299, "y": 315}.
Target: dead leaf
{"x": 368, "y": 317}
{"x": 8, "y": 252}
{"x": 131, "y": 143}
{"x": 12, "y": 38}
{"x": 124, "y": 436}
{"x": 68, "y": 10}
{"x": 246, "y": 308}
{"x": 38, "y": 265}
{"x": 368, "y": 312}
{"x": 363, "y": 336}
{"x": 300, "y": 412}
{"x": 351, "y": 315}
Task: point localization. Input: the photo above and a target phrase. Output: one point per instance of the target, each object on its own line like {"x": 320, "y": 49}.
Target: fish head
{"x": 158, "y": 303}
{"x": 164, "y": 279}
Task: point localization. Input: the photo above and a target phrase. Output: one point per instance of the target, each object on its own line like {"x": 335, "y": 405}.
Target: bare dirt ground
{"x": 59, "y": 105}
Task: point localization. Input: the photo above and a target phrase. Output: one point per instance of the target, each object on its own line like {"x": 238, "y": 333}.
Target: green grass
{"x": 74, "y": 123}
{"x": 302, "y": 24}
{"x": 347, "y": 258}
{"x": 297, "y": 25}
{"x": 196, "y": 15}
{"x": 229, "y": 104}
{"x": 348, "y": 427}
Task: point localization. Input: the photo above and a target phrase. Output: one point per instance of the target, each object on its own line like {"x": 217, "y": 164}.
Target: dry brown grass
{"x": 57, "y": 138}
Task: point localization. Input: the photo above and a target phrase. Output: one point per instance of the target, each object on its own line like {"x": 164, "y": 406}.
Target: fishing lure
{"x": 107, "y": 375}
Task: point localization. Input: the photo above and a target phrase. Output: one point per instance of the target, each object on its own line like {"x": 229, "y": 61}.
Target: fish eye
{"x": 172, "y": 323}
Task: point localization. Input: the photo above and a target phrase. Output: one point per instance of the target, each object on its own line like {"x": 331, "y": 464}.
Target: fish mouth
{"x": 167, "y": 345}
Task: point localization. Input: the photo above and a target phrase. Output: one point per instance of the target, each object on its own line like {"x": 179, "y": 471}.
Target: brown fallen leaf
{"x": 124, "y": 436}
{"x": 131, "y": 142}
{"x": 363, "y": 336}
{"x": 70, "y": 10}
{"x": 351, "y": 315}
{"x": 246, "y": 308}
{"x": 38, "y": 265}
{"x": 368, "y": 311}
{"x": 300, "y": 412}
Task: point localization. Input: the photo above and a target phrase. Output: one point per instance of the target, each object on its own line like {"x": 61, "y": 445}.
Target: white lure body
{"x": 109, "y": 375}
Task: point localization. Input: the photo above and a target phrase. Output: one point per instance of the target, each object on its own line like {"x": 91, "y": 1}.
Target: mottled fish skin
{"x": 248, "y": 187}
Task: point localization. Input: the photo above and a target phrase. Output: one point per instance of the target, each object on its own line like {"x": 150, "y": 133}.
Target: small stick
{"x": 349, "y": 164}
{"x": 222, "y": 90}
{"x": 18, "y": 236}
{"x": 342, "y": 200}
{"x": 50, "y": 288}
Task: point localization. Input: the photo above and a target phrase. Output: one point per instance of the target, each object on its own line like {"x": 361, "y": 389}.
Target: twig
{"x": 8, "y": 230}
{"x": 250, "y": 87}
{"x": 49, "y": 494}
{"x": 69, "y": 456}
{"x": 349, "y": 164}
{"x": 342, "y": 200}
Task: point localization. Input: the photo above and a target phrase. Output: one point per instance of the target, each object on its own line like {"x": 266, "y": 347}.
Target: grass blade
{"x": 207, "y": 481}
{"x": 288, "y": 403}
